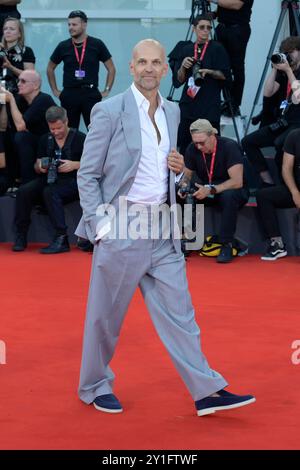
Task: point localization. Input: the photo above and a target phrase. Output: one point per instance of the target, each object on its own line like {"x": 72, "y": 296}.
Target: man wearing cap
{"x": 81, "y": 55}
{"x": 218, "y": 163}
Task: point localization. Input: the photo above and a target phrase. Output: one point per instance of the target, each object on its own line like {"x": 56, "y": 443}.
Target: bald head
{"x": 29, "y": 83}
{"x": 32, "y": 76}
{"x": 148, "y": 66}
{"x": 148, "y": 44}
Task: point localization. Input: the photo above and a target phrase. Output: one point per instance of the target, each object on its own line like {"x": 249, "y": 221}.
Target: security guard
{"x": 81, "y": 55}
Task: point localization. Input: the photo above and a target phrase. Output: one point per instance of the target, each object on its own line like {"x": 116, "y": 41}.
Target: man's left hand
{"x": 66, "y": 166}
{"x": 202, "y": 192}
{"x": 175, "y": 161}
{"x": 8, "y": 94}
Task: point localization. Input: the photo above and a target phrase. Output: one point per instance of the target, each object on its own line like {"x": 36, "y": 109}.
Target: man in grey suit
{"x": 130, "y": 154}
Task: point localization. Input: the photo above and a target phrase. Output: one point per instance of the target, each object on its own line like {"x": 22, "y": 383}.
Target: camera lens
{"x": 278, "y": 58}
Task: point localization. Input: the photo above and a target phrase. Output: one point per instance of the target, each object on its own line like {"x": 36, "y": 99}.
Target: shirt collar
{"x": 141, "y": 99}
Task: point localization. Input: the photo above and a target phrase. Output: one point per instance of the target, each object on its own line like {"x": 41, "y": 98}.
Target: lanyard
{"x": 80, "y": 60}
{"x": 212, "y": 163}
{"x": 203, "y": 51}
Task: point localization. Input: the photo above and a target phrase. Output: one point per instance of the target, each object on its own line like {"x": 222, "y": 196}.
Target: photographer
{"x": 233, "y": 31}
{"x": 203, "y": 68}
{"x": 14, "y": 55}
{"x": 27, "y": 110}
{"x": 218, "y": 163}
{"x": 58, "y": 160}
{"x": 281, "y": 196}
{"x": 282, "y": 80}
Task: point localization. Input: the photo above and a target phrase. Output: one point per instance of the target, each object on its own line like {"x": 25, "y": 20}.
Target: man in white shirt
{"x": 130, "y": 155}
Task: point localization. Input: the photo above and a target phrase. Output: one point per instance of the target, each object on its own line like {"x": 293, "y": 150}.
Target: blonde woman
{"x": 14, "y": 55}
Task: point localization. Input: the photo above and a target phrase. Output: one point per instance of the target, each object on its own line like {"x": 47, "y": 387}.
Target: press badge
{"x": 79, "y": 74}
{"x": 283, "y": 104}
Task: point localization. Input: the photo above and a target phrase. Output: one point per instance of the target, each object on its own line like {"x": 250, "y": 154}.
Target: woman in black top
{"x": 14, "y": 58}
{"x": 14, "y": 55}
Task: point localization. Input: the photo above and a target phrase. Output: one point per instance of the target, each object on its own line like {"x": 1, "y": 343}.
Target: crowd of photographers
{"x": 40, "y": 145}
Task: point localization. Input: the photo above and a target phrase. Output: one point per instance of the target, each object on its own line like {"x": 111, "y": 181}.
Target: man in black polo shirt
{"x": 281, "y": 196}
{"x": 202, "y": 101}
{"x": 27, "y": 111}
{"x": 218, "y": 164}
{"x": 81, "y": 56}
{"x": 233, "y": 31}
{"x": 282, "y": 79}
{"x": 8, "y": 8}
{"x": 53, "y": 188}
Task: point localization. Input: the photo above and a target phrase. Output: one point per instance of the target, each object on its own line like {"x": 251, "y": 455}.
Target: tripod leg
{"x": 271, "y": 50}
{"x": 296, "y": 18}
{"x": 227, "y": 97}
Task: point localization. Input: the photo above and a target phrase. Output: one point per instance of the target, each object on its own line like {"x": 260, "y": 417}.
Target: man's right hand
{"x": 296, "y": 199}
{"x": 187, "y": 63}
{"x": 57, "y": 93}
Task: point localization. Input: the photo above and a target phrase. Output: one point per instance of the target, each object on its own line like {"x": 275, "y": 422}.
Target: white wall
{"x": 122, "y": 23}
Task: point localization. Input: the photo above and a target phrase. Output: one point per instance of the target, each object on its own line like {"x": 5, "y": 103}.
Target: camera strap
{"x": 192, "y": 88}
{"x": 50, "y": 146}
{"x": 68, "y": 143}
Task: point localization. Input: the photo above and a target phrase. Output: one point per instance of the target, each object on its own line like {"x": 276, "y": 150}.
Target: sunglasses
{"x": 202, "y": 27}
{"x": 22, "y": 80}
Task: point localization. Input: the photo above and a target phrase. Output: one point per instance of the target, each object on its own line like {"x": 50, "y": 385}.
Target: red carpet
{"x": 249, "y": 315}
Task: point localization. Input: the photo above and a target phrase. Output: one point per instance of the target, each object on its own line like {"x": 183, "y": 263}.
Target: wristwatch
{"x": 213, "y": 190}
{"x": 107, "y": 88}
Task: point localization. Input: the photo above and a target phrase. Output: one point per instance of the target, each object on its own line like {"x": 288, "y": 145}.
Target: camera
{"x": 188, "y": 191}
{"x": 280, "y": 125}
{"x": 3, "y": 55}
{"x": 280, "y": 58}
{"x": 197, "y": 75}
{"x": 51, "y": 164}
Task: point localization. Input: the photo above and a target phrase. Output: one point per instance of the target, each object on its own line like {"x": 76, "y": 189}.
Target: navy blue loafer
{"x": 108, "y": 403}
{"x": 225, "y": 401}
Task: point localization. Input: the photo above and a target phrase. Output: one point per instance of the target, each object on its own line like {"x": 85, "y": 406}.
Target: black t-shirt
{"x": 17, "y": 55}
{"x": 96, "y": 52}
{"x": 8, "y": 9}
{"x": 228, "y": 154}
{"x": 34, "y": 114}
{"x": 69, "y": 152}
{"x": 292, "y": 112}
{"x": 242, "y": 16}
{"x": 206, "y": 103}
{"x": 292, "y": 146}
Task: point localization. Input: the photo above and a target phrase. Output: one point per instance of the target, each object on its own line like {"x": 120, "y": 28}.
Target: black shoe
{"x": 256, "y": 119}
{"x": 60, "y": 244}
{"x": 225, "y": 255}
{"x": 274, "y": 252}
{"x": 21, "y": 242}
{"x": 85, "y": 245}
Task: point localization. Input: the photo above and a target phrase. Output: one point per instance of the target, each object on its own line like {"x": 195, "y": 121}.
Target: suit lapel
{"x": 131, "y": 125}
{"x": 172, "y": 128}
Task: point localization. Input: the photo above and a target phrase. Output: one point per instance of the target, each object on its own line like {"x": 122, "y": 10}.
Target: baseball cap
{"x": 203, "y": 125}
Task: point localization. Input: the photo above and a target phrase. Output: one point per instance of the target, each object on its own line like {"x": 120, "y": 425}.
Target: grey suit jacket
{"x": 111, "y": 155}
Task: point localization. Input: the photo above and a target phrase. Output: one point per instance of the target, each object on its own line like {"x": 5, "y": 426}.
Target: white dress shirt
{"x": 151, "y": 182}
{"x": 150, "y": 185}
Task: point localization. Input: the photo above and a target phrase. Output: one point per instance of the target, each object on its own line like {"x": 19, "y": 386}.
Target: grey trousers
{"x": 119, "y": 267}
